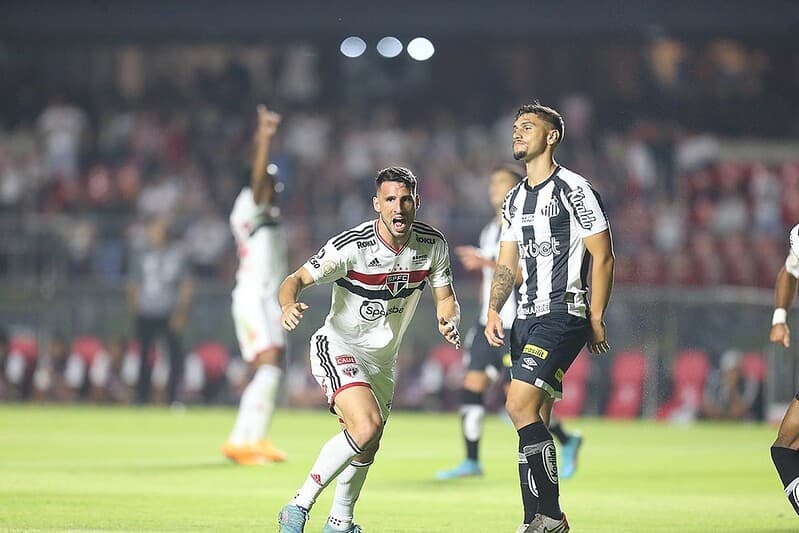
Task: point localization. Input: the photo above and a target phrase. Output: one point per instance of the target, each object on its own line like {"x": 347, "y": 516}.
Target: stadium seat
{"x": 574, "y": 386}
{"x": 627, "y": 377}
{"x": 690, "y": 369}
{"x": 87, "y": 347}
{"x": 754, "y": 366}
{"x": 215, "y": 357}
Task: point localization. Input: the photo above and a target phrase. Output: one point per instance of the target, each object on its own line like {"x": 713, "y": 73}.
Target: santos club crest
{"x": 397, "y": 282}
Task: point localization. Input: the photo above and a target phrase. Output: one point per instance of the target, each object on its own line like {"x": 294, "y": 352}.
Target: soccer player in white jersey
{"x": 553, "y": 221}
{"x": 379, "y": 270}
{"x": 256, "y": 313}
{"x": 785, "y": 450}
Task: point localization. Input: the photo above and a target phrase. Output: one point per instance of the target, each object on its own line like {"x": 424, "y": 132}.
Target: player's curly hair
{"x": 398, "y": 174}
{"x": 548, "y": 114}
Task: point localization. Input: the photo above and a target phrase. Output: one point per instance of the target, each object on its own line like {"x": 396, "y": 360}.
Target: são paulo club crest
{"x": 396, "y": 282}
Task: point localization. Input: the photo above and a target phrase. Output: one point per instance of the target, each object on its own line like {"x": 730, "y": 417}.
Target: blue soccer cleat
{"x": 355, "y": 528}
{"x": 568, "y": 456}
{"x": 468, "y": 468}
{"x": 292, "y": 518}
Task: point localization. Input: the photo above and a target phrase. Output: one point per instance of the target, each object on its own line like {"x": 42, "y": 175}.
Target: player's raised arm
{"x": 784, "y": 292}
{"x": 287, "y": 296}
{"x": 501, "y": 288}
{"x": 260, "y": 181}
{"x": 448, "y": 313}
{"x": 600, "y": 246}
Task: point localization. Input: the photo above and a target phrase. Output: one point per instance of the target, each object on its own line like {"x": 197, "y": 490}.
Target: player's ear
{"x": 553, "y": 136}
{"x": 418, "y": 201}
{"x": 376, "y": 203}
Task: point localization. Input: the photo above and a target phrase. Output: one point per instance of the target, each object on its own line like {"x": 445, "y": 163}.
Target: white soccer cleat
{"x": 545, "y": 524}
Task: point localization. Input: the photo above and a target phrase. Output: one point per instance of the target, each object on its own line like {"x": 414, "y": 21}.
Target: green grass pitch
{"x": 118, "y": 469}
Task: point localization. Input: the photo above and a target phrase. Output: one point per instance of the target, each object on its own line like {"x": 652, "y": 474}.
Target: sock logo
{"x": 531, "y": 483}
{"x": 317, "y": 479}
{"x": 550, "y": 462}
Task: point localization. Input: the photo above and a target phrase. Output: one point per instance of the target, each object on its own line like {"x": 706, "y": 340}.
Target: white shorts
{"x": 336, "y": 368}
{"x": 257, "y": 321}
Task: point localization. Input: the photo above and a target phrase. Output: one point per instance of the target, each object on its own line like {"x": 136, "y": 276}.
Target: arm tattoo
{"x": 501, "y": 287}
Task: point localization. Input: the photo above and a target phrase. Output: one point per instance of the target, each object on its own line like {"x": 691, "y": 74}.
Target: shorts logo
{"x": 550, "y": 463}
{"x": 345, "y": 360}
{"x": 397, "y": 282}
{"x": 350, "y": 371}
{"x": 532, "y": 349}
{"x": 559, "y": 375}
{"x": 529, "y": 363}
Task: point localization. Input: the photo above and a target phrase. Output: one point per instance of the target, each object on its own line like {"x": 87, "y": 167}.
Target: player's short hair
{"x": 398, "y": 174}
{"x": 513, "y": 170}
{"x": 548, "y": 114}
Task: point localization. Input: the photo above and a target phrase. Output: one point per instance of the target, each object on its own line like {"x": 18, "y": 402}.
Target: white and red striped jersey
{"x": 260, "y": 243}
{"x": 376, "y": 288}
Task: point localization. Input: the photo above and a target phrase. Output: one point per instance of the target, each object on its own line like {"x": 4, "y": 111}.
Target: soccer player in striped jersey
{"x": 379, "y": 270}
{"x": 256, "y": 313}
{"x": 785, "y": 450}
{"x": 485, "y": 363}
{"x": 553, "y": 221}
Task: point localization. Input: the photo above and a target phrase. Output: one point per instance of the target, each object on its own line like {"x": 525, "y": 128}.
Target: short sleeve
{"x": 792, "y": 264}
{"x": 440, "y": 272}
{"x": 329, "y": 264}
{"x": 586, "y": 207}
{"x": 511, "y": 230}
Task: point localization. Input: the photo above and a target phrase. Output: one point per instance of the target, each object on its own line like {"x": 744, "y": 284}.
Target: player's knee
{"x": 519, "y": 408}
{"x": 784, "y": 440}
{"x": 271, "y": 357}
{"x": 366, "y": 430}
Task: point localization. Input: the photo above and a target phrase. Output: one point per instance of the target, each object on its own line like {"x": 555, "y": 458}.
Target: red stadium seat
{"x": 87, "y": 347}
{"x": 754, "y": 366}
{"x": 691, "y": 367}
{"x": 574, "y": 386}
{"x": 215, "y": 357}
{"x": 26, "y": 346}
{"x": 627, "y": 384}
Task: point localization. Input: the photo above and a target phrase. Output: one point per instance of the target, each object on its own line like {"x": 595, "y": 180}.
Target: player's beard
{"x": 519, "y": 155}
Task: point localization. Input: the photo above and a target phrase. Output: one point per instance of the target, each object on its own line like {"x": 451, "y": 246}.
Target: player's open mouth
{"x": 399, "y": 224}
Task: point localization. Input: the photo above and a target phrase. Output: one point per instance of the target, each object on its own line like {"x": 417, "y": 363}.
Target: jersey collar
{"x": 395, "y": 251}
{"x": 543, "y": 183}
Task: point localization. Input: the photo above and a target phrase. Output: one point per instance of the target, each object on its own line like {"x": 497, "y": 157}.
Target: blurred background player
{"x": 555, "y": 224}
{"x": 729, "y": 394}
{"x": 159, "y": 294}
{"x": 785, "y": 450}
{"x": 380, "y": 268}
{"x": 256, "y": 312}
{"x": 485, "y": 363}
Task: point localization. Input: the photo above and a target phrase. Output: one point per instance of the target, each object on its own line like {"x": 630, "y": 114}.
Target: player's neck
{"x": 395, "y": 242}
{"x": 540, "y": 169}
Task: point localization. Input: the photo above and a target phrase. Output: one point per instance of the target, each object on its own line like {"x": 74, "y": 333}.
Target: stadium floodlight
{"x": 353, "y": 46}
{"x": 389, "y": 47}
{"x": 272, "y": 169}
{"x": 421, "y": 49}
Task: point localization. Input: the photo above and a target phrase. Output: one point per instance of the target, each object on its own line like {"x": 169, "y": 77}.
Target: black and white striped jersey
{"x": 376, "y": 287}
{"x": 549, "y": 222}
{"x": 792, "y": 261}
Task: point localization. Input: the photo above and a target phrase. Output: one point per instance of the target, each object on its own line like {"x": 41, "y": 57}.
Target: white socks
{"x": 473, "y": 421}
{"x": 334, "y": 457}
{"x": 256, "y": 406}
{"x": 348, "y": 488}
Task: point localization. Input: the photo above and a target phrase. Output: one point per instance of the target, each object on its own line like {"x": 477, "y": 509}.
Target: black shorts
{"x": 543, "y": 348}
{"x": 480, "y": 356}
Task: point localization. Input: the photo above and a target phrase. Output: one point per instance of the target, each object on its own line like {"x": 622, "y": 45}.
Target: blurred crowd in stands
{"x": 95, "y": 141}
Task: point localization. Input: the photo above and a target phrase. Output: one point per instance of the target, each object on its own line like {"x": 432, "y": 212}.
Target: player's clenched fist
{"x": 292, "y": 314}
{"x": 267, "y": 121}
